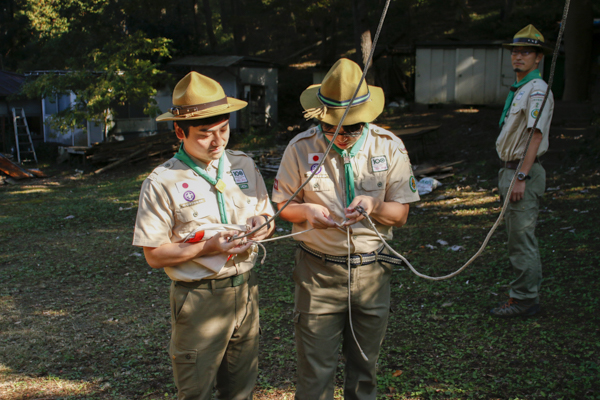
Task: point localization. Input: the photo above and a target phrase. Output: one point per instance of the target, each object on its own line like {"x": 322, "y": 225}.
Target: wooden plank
{"x": 421, "y": 130}
{"x": 122, "y": 160}
{"x": 12, "y": 169}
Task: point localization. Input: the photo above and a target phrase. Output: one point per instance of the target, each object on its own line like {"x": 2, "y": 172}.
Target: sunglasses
{"x": 349, "y": 130}
{"x": 522, "y": 52}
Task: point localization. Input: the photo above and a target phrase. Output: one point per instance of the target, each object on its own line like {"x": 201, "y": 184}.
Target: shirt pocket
{"x": 319, "y": 185}
{"x": 192, "y": 213}
{"x": 373, "y": 186}
{"x": 241, "y": 202}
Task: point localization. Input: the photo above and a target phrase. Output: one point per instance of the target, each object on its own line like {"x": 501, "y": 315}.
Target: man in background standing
{"x": 521, "y": 110}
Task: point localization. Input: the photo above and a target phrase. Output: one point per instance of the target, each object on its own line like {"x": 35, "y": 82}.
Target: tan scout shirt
{"x": 381, "y": 169}
{"x": 174, "y": 201}
{"x": 521, "y": 116}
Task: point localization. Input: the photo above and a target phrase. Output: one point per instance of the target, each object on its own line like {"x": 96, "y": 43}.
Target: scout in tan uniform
{"x": 369, "y": 167}
{"x": 520, "y": 112}
{"x": 206, "y": 191}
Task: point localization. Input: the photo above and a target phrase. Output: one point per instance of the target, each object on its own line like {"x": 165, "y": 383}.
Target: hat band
{"x": 344, "y": 103}
{"x": 527, "y": 40}
{"x": 183, "y": 110}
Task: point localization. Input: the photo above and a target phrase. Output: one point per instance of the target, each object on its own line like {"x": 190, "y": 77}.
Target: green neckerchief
{"x": 529, "y": 77}
{"x": 218, "y": 183}
{"x": 348, "y": 171}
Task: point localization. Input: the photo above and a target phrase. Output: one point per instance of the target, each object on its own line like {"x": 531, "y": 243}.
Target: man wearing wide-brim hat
{"x": 190, "y": 210}
{"x": 368, "y": 167}
{"x": 521, "y": 110}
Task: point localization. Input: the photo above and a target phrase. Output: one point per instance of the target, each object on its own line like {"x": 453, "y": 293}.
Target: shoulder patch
{"x": 412, "y": 184}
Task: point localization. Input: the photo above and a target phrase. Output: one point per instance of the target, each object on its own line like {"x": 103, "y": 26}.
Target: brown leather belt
{"x": 513, "y": 164}
{"x": 231, "y": 281}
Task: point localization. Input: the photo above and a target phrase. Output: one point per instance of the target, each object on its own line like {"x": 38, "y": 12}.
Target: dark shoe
{"x": 516, "y": 308}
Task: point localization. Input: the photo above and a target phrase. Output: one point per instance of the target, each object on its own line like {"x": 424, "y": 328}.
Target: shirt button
{"x": 195, "y": 214}
{"x": 354, "y": 237}
{"x": 168, "y": 165}
{"x": 187, "y": 356}
{"x": 248, "y": 201}
{"x": 379, "y": 184}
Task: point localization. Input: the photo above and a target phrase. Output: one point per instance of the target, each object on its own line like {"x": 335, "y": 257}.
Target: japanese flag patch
{"x": 315, "y": 158}
{"x": 184, "y": 186}
{"x": 239, "y": 176}
{"x": 379, "y": 163}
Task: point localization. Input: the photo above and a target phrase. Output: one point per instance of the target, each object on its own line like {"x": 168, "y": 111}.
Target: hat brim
{"x": 233, "y": 105}
{"x": 545, "y": 50}
{"x": 365, "y": 112}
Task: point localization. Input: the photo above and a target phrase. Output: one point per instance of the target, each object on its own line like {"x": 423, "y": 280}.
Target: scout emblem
{"x": 379, "y": 163}
{"x": 189, "y": 196}
{"x": 413, "y": 184}
{"x": 519, "y": 95}
{"x": 315, "y": 157}
{"x": 314, "y": 166}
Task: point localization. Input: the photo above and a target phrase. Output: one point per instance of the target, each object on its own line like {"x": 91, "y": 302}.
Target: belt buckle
{"x": 361, "y": 259}
{"x": 237, "y": 280}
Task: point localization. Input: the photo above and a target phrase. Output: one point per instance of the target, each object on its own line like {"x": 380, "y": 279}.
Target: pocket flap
{"x": 243, "y": 201}
{"x": 373, "y": 184}
{"x": 181, "y": 356}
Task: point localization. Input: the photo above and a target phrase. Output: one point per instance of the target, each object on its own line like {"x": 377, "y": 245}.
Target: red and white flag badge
{"x": 183, "y": 186}
{"x": 315, "y": 157}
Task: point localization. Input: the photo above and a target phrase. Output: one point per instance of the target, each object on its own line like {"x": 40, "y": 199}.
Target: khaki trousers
{"x": 521, "y": 218}
{"x": 322, "y": 323}
{"x": 214, "y": 338}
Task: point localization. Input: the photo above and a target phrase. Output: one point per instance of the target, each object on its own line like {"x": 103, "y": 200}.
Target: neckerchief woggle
{"x": 348, "y": 171}
{"x": 218, "y": 183}
{"x": 529, "y": 77}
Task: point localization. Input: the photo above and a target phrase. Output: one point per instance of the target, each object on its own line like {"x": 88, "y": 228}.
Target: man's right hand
{"x": 318, "y": 216}
{"x": 222, "y": 242}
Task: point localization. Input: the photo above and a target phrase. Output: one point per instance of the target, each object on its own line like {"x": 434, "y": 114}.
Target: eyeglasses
{"x": 349, "y": 130}
{"x": 521, "y": 52}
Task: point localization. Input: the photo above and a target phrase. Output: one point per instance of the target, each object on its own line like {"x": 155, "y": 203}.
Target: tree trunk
{"x": 197, "y": 31}
{"x": 507, "y": 10}
{"x": 578, "y": 50}
{"x": 239, "y": 27}
{"x": 362, "y": 33}
{"x": 212, "y": 40}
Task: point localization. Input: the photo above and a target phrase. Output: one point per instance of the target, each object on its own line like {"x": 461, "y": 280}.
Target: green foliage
{"x": 122, "y": 70}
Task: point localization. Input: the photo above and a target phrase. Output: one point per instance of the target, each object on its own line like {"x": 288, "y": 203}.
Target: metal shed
{"x": 463, "y": 73}
{"x": 252, "y": 79}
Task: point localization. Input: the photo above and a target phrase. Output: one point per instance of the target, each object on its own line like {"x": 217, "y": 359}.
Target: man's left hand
{"x": 518, "y": 191}
{"x": 254, "y": 222}
{"x": 366, "y": 202}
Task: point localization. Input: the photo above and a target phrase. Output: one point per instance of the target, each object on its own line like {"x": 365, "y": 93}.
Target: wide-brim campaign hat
{"x": 528, "y": 37}
{"x": 197, "y": 96}
{"x": 327, "y": 102}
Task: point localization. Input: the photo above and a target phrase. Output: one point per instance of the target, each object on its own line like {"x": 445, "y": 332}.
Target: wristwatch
{"x": 522, "y": 176}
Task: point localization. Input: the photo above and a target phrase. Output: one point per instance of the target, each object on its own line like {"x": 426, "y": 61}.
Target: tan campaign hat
{"x": 197, "y": 96}
{"x": 528, "y": 36}
{"x": 327, "y": 102}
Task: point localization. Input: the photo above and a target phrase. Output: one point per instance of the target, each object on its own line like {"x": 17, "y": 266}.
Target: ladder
{"x": 23, "y": 141}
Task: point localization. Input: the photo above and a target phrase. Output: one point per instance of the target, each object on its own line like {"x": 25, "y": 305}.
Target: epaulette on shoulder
{"x": 386, "y": 134}
{"x": 236, "y": 153}
{"x": 166, "y": 166}
{"x": 304, "y": 135}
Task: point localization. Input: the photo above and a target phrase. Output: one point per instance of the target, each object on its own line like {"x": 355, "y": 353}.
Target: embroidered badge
{"x": 379, "y": 163}
{"x": 537, "y": 93}
{"x": 243, "y": 186}
{"x": 314, "y": 166}
{"x": 314, "y": 157}
{"x": 413, "y": 184}
{"x": 189, "y": 196}
{"x": 239, "y": 176}
{"x": 519, "y": 95}
{"x": 276, "y": 184}
{"x": 535, "y": 113}
{"x": 183, "y": 186}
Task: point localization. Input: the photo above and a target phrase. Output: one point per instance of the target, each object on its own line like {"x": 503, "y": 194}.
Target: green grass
{"x": 82, "y": 316}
